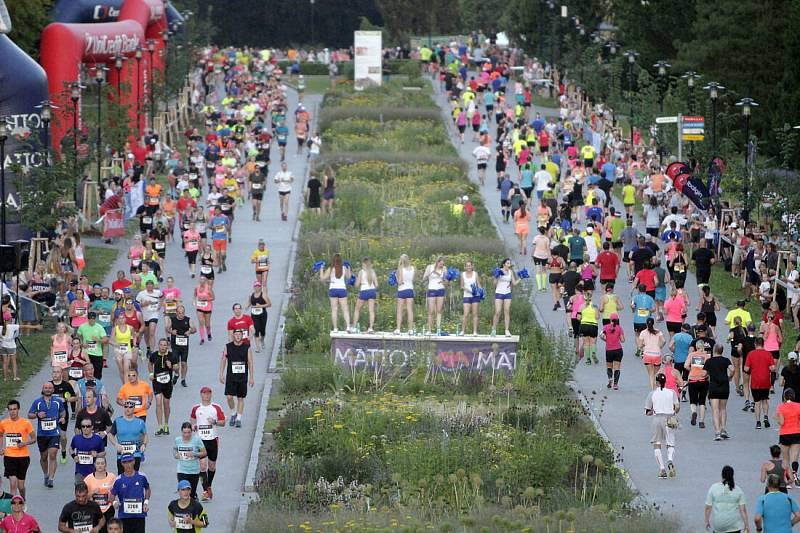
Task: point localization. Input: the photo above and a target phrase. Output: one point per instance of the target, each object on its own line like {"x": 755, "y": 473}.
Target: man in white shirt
{"x": 284, "y": 180}
{"x": 542, "y": 179}
{"x": 662, "y": 403}
{"x": 482, "y": 154}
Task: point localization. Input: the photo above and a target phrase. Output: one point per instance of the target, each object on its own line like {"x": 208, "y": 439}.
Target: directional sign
{"x": 693, "y": 128}
{"x": 666, "y": 120}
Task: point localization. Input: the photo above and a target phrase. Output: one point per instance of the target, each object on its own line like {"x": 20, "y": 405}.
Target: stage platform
{"x": 449, "y": 353}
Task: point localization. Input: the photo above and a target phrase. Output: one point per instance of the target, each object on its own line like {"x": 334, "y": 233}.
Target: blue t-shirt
{"x": 130, "y": 492}
{"x": 488, "y": 98}
{"x": 595, "y": 213}
{"x": 537, "y": 125}
{"x": 610, "y": 171}
{"x": 129, "y": 432}
{"x": 47, "y": 426}
{"x": 594, "y": 179}
{"x": 83, "y": 447}
{"x": 281, "y": 134}
{"x": 643, "y": 305}
{"x": 527, "y": 178}
{"x": 682, "y": 341}
{"x": 216, "y": 223}
{"x": 99, "y": 388}
{"x": 776, "y": 509}
{"x": 556, "y": 159}
{"x": 193, "y": 447}
{"x": 505, "y": 186}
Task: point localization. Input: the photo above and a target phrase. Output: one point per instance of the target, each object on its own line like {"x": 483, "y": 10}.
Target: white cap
{"x": 792, "y": 355}
{"x": 465, "y": 198}
{"x": 589, "y": 229}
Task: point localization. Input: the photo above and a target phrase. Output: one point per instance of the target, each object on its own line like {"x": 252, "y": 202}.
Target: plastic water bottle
{"x": 458, "y": 330}
{"x": 358, "y": 328}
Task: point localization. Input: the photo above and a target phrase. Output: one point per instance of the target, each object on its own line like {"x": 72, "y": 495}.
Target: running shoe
{"x": 758, "y": 424}
{"x": 752, "y": 406}
{"x": 49, "y": 483}
{"x": 209, "y": 337}
{"x": 662, "y": 474}
{"x": 174, "y": 379}
{"x": 694, "y": 419}
{"x": 204, "y": 497}
{"x": 232, "y": 421}
{"x": 159, "y": 431}
{"x": 701, "y": 425}
{"x": 610, "y": 383}
{"x": 616, "y": 386}
{"x": 238, "y": 422}
{"x": 210, "y": 493}
{"x": 166, "y": 430}
{"x": 717, "y": 436}
{"x": 746, "y": 406}
{"x": 671, "y": 468}
{"x": 766, "y": 423}
{"x": 183, "y": 383}
{"x": 63, "y": 458}
{"x": 724, "y": 434}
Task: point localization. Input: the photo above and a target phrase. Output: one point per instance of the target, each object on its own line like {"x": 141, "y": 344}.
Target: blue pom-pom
{"x": 346, "y": 264}
{"x": 392, "y": 278}
{"x": 317, "y": 266}
{"x": 498, "y": 272}
{"x": 352, "y": 280}
{"x": 451, "y": 274}
{"x": 523, "y": 274}
{"x": 481, "y": 294}
{"x": 474, "y": 288}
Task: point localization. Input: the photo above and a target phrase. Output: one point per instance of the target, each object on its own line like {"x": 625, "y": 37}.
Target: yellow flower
{"x": 338, "y": 426}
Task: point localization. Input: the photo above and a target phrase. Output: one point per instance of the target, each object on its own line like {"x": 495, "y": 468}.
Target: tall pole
{"x": 312, "y": 25}
{"x": 662, "y": 67}
{"x": 690, "y": 77}
{"x": 746, "y": 104}
{"x": 75, "y": 96}
{"x": 99, "y": 78}
{"x": 631, "y": 55}
{"x": 4, "y": 131}
{"x": 540, "y": 46}
{"x": 151, "y": 48}
{"x": 713, "y": 89}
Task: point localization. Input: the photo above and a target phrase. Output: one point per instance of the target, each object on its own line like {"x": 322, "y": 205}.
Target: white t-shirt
{"x": 149, "y": 302}
{"x": 662, "y": 401}
{"x": 284, "y": 181}
{"x": 482, "y": 154}
{"x": 543, "y": 179}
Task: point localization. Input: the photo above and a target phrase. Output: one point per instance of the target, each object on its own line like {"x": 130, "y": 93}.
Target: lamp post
{"x": 165, "y": 51}
{"x": 540, "y": 44}
{"x": 5, "y": 131}
{"x": 612, "y": 51}
{"x": 118, "y": 66}
{"x": 713, "y": 89}
{"x": 99, "y": 78}
{"x": 151, "y": 48}
{"x": 75, "y": 96}
{"x": 138, "y": 56}
{"x": 564, "y": 16}
{"x": 690, "y": 77}
{"x": 312, "y": 22}
{"x": 46, "y": 114}
{"x": 631, "y": 55}
{"x": 551, "y": 5}
{"x": 747, "y": 104}
{"x": 662, "y": 68}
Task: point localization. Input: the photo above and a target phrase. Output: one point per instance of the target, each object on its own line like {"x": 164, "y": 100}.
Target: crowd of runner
{"x": 142, "y": 326}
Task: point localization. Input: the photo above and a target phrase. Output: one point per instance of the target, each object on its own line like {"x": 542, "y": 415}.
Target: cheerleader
{"x": 405, "y": 293}
{"x": 367, "y": 282}
{"x": 435, "y": 273}
{"x": 337, "y": 275}
{"x": 503, "y": 283}
{"x": 469, "y": 279}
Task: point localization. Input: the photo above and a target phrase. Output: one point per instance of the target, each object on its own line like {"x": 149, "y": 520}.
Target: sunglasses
{"x": 86, "y": 427}
{"x": 17, "y": 503}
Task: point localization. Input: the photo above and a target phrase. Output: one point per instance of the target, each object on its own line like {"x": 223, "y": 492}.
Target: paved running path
{"x": 698, "y": 458}
{"x": 232, "y": 286}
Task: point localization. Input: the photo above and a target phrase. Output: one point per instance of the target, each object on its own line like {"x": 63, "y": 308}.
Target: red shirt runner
{"x": 647, "y": 277}
{"x": 243, "y": 323}
{"x": 759, "y": 361}
{"x": 608, "y": 262}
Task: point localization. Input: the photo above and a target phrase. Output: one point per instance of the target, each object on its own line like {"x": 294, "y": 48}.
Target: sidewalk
{"x": 229, "y": 287}
{"x": 698, "y": 458}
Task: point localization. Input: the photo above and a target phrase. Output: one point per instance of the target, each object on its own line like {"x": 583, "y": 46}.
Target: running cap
{"x": 614, "y": 316}
{"x": 184, "y": 484}
{"x": 256, "y": 283}
{"x": 589, "y": 229}
{"x": 205, "y": 388}
{"x": 792, "y": 355}
{"x": 118, "y": 291}
{"x": 465, "y": 198}
{"x": 17, "y": 499}
{"x": 126, "y": 457}
{"x": 91, "y": 314}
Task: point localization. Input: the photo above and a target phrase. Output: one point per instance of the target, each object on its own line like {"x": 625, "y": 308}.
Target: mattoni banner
{"x": 113, "y": 224}
{"x": 448, "y": 354}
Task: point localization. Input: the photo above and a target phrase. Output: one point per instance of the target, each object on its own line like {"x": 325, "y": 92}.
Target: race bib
{"x": 128, "y": 447}
{"x": 193, "y": 243}
{"x": 201, "y": 227}
{"x": 60, "y": 357}
{"x": 680, "y": 267}
{"x": 256, "y": 311}
{"x": 183, "y": 521}
{"x": 181, "y": 340}
{"x": 123, "y": 348}
{"x": 206, "y": 269}
{"x": 85, "y": 458}
{"x": 186, "y": 454}
{"x": 220, "y": 228}
{"x": 75, "y": 372}
{"x": 91, "y": 345}
{"x": 154, "y": 199}
{"x": 163, "y": 377}
{"x": 13, "y": 440}
{"x": 257, "y": 186}
{"x": 104, "y": 317}
{"x": 152, "y": 307}
{"x": 83, "y": 528}
{"x": 100, "y": 499}
{"x": 137, "y": 400}
{"x": 80, "y": 311}
{"x": 238, "y": 368}
{"x": 202, "y": 303}
{"x": 205, "y": 432}
{"x": 136, "y": 262}
{"x": 170, "y": 307}
{"x": 147, "y": 221}
{"x": 132, "y": 506}
{"x": 48, "y": 424}
{"x": 644, "y": 313}
{"x": 161, "y": 245}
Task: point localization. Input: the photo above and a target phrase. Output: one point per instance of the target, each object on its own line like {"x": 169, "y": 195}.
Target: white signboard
{"x": 368, "y": 59}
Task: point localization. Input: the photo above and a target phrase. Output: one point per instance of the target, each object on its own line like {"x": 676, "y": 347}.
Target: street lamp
{"x": 46, "y": 114}
{"x": 631, "y": 55}
{"x": 713, "y": 89}
{"x": 690, "y": 77}
{"x": 100, "y": 79}
{"x": 151, "y": 48}
{"x": 662, "y": 68}
{"x": 118, "y": 66}
{"x": 564, "y": 16}
{"x": 312, "y": 22}
{"x": 75, "y": 96}
{"x": 138, "y": 56}
{"x": 746, "y": 104}
{"x": 5, "y": 132}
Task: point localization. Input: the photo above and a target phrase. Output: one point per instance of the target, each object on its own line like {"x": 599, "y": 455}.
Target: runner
{"x": 613, "y": 336}
{"x": 49, "y": 412}
{"x": 208, "y": 260}
{"x": 132, "y": 490}
{"x": 555, "y": 267}
{"x": 587, "y": 315}
{"x": 236, "y": 373}
{"x": 698, "y": 382}
{"x": 650, "y": 342}
{"x": 127, "y": 354}
{"x": 81, "y": 514}
{"x": 787, "y": 415}
{"x": 138, "y": 392}
{"x": 19, "y": 521}
{"x": 99, "y": 484}
{"x": 93, "y": 337}
{"x": 186, "y": 513}
{"x": 128, "y": 435}
{"x": 719, "y": 370}
{"x": 17, "y": 435}
{"x": 152, "y": 302}
{"x": 541, "y": 254}
{"x": 65, "y": 391}
{"x": 220, "y": 228}
{"x": 191, "y": 244}
{"x": 162, "y": 365}
{"x": 759, "y": 364}
{"x": 242, "y": 322}
{"x": 188, "y": 451}
{"x": 179, "y": 327}
{"x": 204, "y": 304}
{"x": 725, "y": 505}
{"x": 260, "y": 258}
{"x": 775, "y": 467}
{"x": 662, "y": 404}
{"x": 284, "y": 180}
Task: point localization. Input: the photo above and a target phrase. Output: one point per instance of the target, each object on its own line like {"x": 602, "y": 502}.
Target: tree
{"x": 404, "y": 18}
{"x": 28, "y": 19}
{"x": 481, "y": 15}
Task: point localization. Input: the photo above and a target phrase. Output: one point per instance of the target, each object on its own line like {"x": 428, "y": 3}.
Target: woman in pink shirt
{"x": 614, "y": 337}
{"x": 191, "y": 244}
{"x": 574, "y": 306}
{"x": 19, "y": 521}
{"x": 675, "y": 309}
{"x": 650, "y": 342}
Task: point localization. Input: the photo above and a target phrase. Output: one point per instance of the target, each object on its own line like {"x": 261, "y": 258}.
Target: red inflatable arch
{"x": 65, "y": 47}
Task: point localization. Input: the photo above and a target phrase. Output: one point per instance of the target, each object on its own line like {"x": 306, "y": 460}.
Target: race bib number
{"x": 60, "y": 357}
{"x": 183, "y": 521}
{"x": 83, "y": 528}
{"x": 13, "y": 440}
{"x": 48, "y": 424}
{"x": 644, "y": 313}
{"x": 186, "y": 454}
{"x": 163, "y": 377}
{"x": 152, "y": 307}
{"x": 147, "y": 221}
{"x": 256, "y": 311}
{"x": 680, "y": 267}
{"x": 128, "y": 447}
{"x": 91, "y": 345}
{"x": 85, "y": 458}
{"x": 171, "y": 307}
{"x": 123, "y": 348}
{"x": 161, "y": 245}
{"x": 137, "y": 400}
{"x": 257, "y": 186}
{"x": 75, "y": 372}
{"x": 132, "y": 506}
{"x": 104, "y": 317}
{"x": 238, "y": 368}
{"x": 80, "y": 311}
{"x": 100, "y": 499}
{"x": 154, "y": 199}
{"x": 181, "y": 340}
{"x": 201, "y": 227}
{"x": 205, "y": 432}
{"x": 136, "y": 262}
{"x": 202, "y": 303}
{"x": 193, "y": 243}
{"x": 219, "y": 228}
{"x": 206, "y": 269}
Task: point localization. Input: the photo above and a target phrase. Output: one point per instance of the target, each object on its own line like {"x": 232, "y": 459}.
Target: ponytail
{"x": 727, "y": 477}
{"x": 651, "y": 326}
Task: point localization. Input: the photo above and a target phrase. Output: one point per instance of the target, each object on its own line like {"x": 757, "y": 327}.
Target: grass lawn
{"x": 544, "y": 101}
{"x": 314, "y": 84}
{"x": 98, "y": 262}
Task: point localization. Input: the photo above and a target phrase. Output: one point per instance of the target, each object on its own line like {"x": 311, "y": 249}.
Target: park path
{"x": 698, "y": 458}
{"x": 230, "y": 287}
